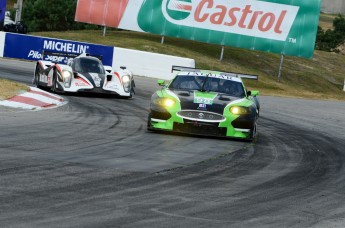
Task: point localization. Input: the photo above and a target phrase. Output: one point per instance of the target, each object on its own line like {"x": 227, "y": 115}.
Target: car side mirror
{"x": 161, "y": 82}
{"x": 253, "y": 93}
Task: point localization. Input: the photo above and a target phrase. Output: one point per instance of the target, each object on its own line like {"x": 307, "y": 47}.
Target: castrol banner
{"x": 287, "y": 26}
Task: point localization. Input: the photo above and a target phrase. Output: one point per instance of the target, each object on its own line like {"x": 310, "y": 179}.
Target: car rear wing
{"x": 231, "y": 74}
{"x": 61, "y": 56}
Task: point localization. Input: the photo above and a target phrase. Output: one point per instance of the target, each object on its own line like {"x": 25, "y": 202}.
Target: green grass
{"x": 321, "y": 77}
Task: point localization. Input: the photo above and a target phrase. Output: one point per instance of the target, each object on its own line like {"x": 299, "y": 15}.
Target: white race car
{"x": 82, "y": 73}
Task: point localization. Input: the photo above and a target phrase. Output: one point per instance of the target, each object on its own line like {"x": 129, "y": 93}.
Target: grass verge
{"x": 9, "y": 89}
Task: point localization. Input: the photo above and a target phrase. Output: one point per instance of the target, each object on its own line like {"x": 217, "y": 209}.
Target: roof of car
{"x": 211, "y": 74}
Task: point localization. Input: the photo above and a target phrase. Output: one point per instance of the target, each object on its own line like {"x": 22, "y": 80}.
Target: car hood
{"x": 96, "y": 79}
{"x": 203, "y": 101}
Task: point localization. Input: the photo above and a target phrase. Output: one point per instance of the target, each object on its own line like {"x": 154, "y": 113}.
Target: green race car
{"x": 205, "y": 102}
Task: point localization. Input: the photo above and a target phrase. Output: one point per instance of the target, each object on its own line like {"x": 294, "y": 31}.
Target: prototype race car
{"x": 205, "y": 102}
{"x": 82, "y": 73}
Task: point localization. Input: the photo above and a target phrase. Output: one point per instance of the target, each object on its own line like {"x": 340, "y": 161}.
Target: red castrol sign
{"x": 287, "y": 27}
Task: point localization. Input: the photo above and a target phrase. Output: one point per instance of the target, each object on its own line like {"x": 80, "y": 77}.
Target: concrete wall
{"x": 2, "y": 43}
{"x": 149, "y": 64}
{"x": 333, "y": 6}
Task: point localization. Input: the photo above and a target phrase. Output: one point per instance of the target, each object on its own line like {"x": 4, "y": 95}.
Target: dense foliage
{"x": 329, "y": 40}
{"x": 51, "y": 15}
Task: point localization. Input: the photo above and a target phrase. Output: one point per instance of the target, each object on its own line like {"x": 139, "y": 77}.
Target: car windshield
{"x": 90, "y": 65}
{"x": 212, "y": 84}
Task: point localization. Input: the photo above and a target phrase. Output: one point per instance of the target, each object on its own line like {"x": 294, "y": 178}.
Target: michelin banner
{"x": 286, "y": 26}
{"x": 16, "y": 46}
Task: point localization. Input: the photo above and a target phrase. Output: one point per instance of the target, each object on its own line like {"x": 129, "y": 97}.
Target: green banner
{"x": 282, "y": 26}
{"x": 287, "y": 27}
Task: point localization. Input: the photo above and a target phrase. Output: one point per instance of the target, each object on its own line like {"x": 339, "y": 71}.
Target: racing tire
{"x": 36, "y": 78}
{"x": 54, "y": 82}
{"x": 149, "y": 128}
{"x": 253, "y": 134}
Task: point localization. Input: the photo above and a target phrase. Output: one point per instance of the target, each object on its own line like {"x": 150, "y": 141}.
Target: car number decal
{"x": 201, "y": 100}
{"x": 96, "y": 79}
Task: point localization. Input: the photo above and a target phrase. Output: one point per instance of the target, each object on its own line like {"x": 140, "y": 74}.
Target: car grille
{"x": 201, "y": 116}
{"x": 200, "y": 128}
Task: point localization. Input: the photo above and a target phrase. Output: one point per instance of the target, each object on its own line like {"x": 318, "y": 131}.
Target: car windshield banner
{"x": 287, "y": 26}
{"x": 2, "y": 13}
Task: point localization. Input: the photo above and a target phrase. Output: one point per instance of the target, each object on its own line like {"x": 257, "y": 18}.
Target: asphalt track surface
{"x": 91, "y": 163}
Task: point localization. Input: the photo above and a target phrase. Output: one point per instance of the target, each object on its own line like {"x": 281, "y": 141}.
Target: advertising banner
{"x": 2, "y": 13}
{"x": 31, "y": 48}
{"x": 286, "y": 26}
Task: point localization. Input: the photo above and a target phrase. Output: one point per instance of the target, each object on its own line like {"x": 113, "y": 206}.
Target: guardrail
{"x": 141, "y": 63}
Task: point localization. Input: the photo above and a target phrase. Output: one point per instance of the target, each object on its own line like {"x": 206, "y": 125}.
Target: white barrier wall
{"x": 149, "y": 64}
{"x": 141, "y": 63}
{"x": 2, "y": 43}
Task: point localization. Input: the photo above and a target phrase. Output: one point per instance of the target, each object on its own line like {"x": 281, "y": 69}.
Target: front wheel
{"x": 36, "y": 80}
{"x": 54, "y": 82}
{"x": 253, "y": 134}
{"x": 149, "y": 127}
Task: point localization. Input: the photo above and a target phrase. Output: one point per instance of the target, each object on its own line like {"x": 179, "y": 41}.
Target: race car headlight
{"x": 67, "y": 78}
{"x": 238, "y": 110}
{"x": 126, "y": 81}
{"x": 165, "y": 102}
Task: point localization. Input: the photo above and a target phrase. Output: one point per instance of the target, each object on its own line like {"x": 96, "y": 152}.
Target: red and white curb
{"x": 34, "y": 99}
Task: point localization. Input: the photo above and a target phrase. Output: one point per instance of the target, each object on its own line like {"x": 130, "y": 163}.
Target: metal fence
{"x": 333, "y": 6}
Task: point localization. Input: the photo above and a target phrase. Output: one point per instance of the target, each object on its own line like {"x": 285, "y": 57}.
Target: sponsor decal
{"x": 34, "y": 54}
{"x": 57, "y": 59}
{"x": 286, "y": 27}
{"x": 201, "y": 100}
{"x": 61, "y": 46}
{"x": 80, "y": 83}
{"x": 251, "y": 18}
{"x": 96, "y": 79}
{"x": 43, "y": 78}
{"x": 204, "y": 98}
{"x": 202, "y": 106}
{"x": 31, "y": 48}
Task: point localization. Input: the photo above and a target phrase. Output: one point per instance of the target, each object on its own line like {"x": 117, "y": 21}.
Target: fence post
{"x": 104, "y": 30}
{"x": 221, "y": 54}
{"x": 280, "y": 67}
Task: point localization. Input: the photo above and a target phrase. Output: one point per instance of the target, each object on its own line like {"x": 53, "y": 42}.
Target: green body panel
{"x": 168, "y": 125}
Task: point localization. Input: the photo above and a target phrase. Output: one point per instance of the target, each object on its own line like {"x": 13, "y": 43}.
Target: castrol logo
{"x": 243, "y": 17}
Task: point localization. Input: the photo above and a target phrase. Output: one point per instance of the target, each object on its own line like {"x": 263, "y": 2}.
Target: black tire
{"x": 149, "y": 128}
{"x": 54, "y": 82}
{"x": 37, "y": 75}
{"x": 253, "y": 134}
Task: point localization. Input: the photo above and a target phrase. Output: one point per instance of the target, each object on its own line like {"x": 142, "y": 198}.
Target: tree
{"x": 51, "y": 15}
{"x": 329, "y": 40}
